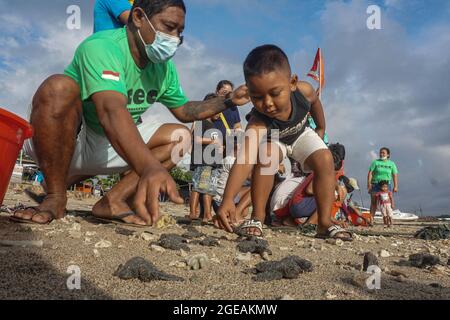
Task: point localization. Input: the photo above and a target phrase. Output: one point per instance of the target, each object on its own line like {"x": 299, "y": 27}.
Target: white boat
{"x": 397, "y": 215}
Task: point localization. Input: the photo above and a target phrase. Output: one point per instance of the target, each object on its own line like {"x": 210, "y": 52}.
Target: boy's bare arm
{"x": 246, "y": 159}
{"x": 317, "y": 112}
{"x": 242, "y": 168}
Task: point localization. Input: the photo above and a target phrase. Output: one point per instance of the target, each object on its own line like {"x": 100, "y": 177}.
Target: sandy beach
{"x": 39, "y": 271}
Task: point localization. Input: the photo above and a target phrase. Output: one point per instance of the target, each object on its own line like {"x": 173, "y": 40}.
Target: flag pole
{"x": 320, "y": 75}
{"x": 320, "y": 91}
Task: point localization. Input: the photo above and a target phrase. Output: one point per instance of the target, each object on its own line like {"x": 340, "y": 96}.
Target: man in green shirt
{"x": 114, "y": 78}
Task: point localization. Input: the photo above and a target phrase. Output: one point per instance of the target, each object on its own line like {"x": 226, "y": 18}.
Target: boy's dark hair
{"x": 265, "y": 59}
{"x": 153, "y": 7}
{"x": 210, "y": 96}
{"x": 223, "y": 83}
{"x": 383, "y": 183}
{"x": 387, "y": 150}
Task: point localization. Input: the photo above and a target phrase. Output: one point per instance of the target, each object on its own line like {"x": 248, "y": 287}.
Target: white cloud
{"x": 386, "y": 88}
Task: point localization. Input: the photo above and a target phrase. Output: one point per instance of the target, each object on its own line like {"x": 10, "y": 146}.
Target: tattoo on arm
{"x": 201, "y": 110}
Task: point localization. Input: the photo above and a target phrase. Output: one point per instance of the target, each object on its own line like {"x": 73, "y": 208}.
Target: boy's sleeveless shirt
{"x": 293, "y": 128}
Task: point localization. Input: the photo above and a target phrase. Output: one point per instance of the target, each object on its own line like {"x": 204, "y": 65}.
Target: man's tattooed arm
{"x": 199, "y": 110}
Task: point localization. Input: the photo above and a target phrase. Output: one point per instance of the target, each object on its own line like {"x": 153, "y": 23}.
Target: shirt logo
{"x": 139, "y": 96}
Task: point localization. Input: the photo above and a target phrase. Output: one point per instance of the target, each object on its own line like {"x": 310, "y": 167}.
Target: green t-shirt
{"x": 103, "y": 62}
{"x": 382, "y": 170}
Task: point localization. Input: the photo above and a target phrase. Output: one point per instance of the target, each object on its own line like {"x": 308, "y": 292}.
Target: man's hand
{"x": 369, "y": 188}
{"x": 153, "y": 182}
{"x": 240, "y": 96}
{"x": 227, "y": 215}
{"x": 395, "y": 190}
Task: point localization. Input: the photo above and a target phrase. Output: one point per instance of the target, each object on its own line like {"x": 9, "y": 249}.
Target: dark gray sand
{"x": 39, "y": 270}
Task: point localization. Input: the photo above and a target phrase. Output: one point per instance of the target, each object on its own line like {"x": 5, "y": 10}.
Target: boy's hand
{"x": 240, "y": 96}
{"x": 227, "y": 214}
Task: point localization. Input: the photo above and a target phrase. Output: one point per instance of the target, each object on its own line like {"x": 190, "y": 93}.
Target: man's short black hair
{"x": 153, "y": 7}
{"x": 223, "y": 83}
{"x": 265, "y": 59}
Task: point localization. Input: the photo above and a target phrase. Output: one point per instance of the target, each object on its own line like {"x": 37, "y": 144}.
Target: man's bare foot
{"x": 108, "y": 209}
{"x": 53, "y": 207}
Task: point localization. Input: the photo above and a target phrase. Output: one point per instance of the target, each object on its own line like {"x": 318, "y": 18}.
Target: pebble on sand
{"x": 360, "y": 280}
{"x": 384, "y": 254}
{"x": 75, "y": 234}
{"x": 96, "y": 253}
{"x": 330, "y": 296}
{"x": 178, "y": 264}
{"x": 102, "y": 244}
{"x": 148, "y": 237}
{"x": 286, "y": 298}
{"x": 198, "y": 261}
{"x": 157, "y": 248}
{"x": 242, "y": 258}
{"x": 337, "y": 242}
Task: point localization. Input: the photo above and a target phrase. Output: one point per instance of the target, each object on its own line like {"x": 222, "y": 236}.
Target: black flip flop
{"x": 30, "y": 221}
{"x": 118, "y": 220}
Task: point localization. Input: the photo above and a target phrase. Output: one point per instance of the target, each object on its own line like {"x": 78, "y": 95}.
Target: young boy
{"x": 281, "y": 103}
{"x": 385, "y": 202}
{"x": 207, "y": 140}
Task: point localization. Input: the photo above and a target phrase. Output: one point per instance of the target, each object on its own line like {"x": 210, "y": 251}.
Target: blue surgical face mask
{"x": 163, "y": 48}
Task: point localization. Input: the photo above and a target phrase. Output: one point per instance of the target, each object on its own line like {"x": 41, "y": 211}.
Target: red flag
{"x": 317, "y": 71}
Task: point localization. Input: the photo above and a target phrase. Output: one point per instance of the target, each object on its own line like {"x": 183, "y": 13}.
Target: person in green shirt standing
{"x": 382, "y": 169}
{"x": 115, "y": 76}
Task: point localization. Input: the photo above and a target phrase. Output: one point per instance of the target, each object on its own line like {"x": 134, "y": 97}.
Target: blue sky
{"x": 385, "y": 87}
